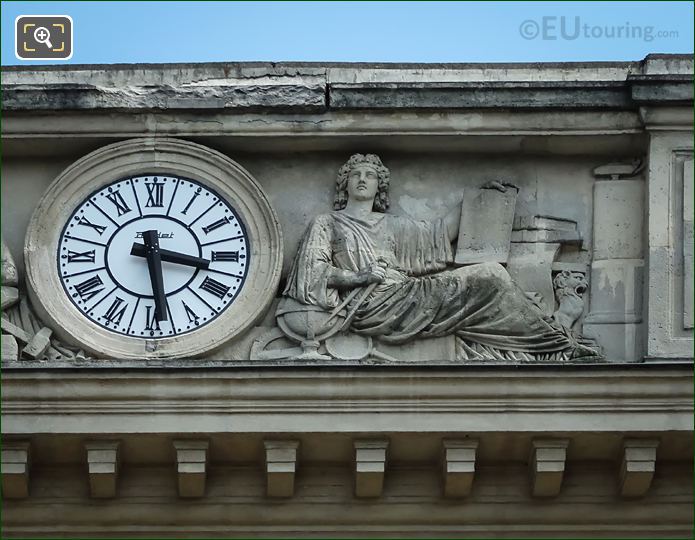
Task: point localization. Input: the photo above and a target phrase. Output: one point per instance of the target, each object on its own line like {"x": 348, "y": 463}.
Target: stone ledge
{"x": 469, "y": 95}
{"x": 291, "y": 97}
{"x": 647, "y": 401}
{"x": 307, "y": 87}
{"x": 186, "y": 364}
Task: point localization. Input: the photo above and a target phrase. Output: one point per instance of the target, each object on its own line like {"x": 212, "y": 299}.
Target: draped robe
{"x": 419, "y": 297}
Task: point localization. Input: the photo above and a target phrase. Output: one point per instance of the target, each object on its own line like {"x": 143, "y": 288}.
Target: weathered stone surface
{"x": 297, "y": 97}
{"x": 10, "y": 296}
{"x": 14, "y": 330}
{"x": 191, "y": 467}
{"x": 102, "y": 467}
{"x": 486, "y": 226}
{"x": 616, "y": 291}
{"x": 459, "y": 466}
{"x": 670, "y": 150}
{"x": 15, "y": 469}
{"x": 281, "y": 465}
{"x": 307, "y": 86}
{"x": 687, "y": 247}
{"x": 370, "y": 466}
{"x": 39, "y": 344}
{"x": 478, "y": 95}
{"x": 10, "y": 349}
{"x": 618, "y": 218}
{"x": 530, "y": 265}
{"x": 547, "y": 464}
{"x": 655, "y": 89}
{"x": 637, "y": 466}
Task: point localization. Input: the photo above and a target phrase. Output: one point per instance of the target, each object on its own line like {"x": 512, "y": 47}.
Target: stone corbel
{"x": 102, "y": 464}
{"x": 370, "y": 465}
{"x": 15, "y": 469}
{"x": 637, "y": 466}
{"x": 191, "y": 466}
{"x": 459, "y": 466}
{"x": 281, "y": 465}
{"x": 547, "y": 464}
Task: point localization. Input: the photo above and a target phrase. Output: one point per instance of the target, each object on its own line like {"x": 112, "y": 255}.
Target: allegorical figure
{"x": 390, "y": 272}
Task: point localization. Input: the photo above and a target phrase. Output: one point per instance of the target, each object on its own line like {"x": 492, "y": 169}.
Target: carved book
{"x": 486, "y": 226}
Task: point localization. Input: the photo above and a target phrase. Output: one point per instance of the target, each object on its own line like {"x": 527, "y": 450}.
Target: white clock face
{"x": 108, "y": 258}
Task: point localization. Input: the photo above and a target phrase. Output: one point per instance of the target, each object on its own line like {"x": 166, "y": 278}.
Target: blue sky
{"x": 115, "y": 32}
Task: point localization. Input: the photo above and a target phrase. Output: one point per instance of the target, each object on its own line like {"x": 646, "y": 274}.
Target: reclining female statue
{"x": 390, "y": 274}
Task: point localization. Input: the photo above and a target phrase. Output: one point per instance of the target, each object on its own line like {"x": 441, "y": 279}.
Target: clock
{"x": 153, "y": 248}
{"x": 153, "y": 256}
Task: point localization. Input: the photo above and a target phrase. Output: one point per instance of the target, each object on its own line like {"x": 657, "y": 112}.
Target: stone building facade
{"x": 495, "y": 341}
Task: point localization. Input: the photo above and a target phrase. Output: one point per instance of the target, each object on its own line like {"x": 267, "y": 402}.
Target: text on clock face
{"x": 111, "y": 273}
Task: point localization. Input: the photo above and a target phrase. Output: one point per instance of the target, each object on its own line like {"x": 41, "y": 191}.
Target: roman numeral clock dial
{"x": 153, "y": 256}
{"x": 153, "y": 248}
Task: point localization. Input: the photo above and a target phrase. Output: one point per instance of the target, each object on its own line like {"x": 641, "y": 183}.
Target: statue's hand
{"x": 374, "y": 273}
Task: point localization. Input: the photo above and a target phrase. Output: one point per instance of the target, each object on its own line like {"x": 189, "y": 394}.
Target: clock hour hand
{"x": 154, "y": 265}
{"x": 173, "y": 257}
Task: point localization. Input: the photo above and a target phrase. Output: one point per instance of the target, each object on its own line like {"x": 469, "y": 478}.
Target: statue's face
{"x": 363, "y": 182}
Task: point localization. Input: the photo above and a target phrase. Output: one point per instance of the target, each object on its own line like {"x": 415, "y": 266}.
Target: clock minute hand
{"x": 154, "y": 265}
{"x": 172, "y": 256}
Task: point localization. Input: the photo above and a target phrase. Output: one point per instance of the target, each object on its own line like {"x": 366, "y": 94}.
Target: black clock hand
{"x": 154, "y": 265}
{"x": 173, "y": 257}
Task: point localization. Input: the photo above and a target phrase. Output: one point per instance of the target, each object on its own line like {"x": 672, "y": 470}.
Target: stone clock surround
{"x": 163, "y": 156}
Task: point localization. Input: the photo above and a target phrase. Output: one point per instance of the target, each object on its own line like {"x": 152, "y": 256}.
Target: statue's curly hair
{"x": 381, "y": 199}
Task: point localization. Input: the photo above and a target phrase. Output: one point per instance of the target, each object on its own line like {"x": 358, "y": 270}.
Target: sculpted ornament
{"x": 23, "y": 335}
{"x": 362, "y": 277}
{"x": 569, "y": 290}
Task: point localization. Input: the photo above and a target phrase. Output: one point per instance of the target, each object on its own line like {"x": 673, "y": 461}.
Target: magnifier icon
{"x": 42, "y": 35}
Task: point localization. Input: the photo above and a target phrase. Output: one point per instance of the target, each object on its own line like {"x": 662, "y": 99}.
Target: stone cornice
{"x": 618, "y": 400}
{"x": 290, "y": 87}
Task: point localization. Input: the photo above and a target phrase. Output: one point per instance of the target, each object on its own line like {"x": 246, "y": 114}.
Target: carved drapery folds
{"x": 367, "y": 284}
{"x": 477, "y": 285}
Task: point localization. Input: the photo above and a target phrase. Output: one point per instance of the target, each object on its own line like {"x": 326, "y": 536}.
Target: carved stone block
{"x": 486, "y": 226}
{"x": 10, "y": 349}
{"x": 9, "y": 296}
{"x": 459, "y": 466}
{"x": 39, "y": 344}
{"x": 547, "y": 464}
{"x": 281, "y": 464}
{"x": 102, "y": 463}
{"x": 370, "y": 465}
{"x": 637, "y": 466}
{"x": 15, "y": 469}
{"x": 618, "y": 214}
{"x": 191, "y": 466}
{"x": 14, "y": 330}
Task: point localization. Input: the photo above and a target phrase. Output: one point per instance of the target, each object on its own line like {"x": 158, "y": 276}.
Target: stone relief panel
{"x": 481, "y": 282}
{"x": 365, "y": 282}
